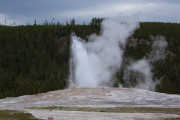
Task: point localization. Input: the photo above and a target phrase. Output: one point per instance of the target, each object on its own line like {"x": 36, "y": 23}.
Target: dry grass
{"x": 115, "y": 109}
{"x": 15, "y": 115}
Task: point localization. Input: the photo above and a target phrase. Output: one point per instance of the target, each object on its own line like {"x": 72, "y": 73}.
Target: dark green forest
{"x": 35, "y": 58}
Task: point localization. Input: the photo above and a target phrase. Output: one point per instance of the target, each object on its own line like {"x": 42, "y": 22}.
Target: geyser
{"x": 141, "y": 70}
{"x": 94, "y": 63}
{"x": 84, "y": 73}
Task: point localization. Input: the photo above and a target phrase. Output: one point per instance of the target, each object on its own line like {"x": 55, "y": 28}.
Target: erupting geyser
{"x": 84, "y": 73}
{"x": 94, "y": 63}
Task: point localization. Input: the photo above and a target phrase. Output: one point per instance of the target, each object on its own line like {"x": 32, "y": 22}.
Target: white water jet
{"x": 95, "y": 62}
{"x": 84, "y": 75}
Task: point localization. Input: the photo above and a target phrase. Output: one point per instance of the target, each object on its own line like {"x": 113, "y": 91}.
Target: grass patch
{"x": 115, "y": 109}
{"x": 172, "y": 119}
{"x": 161, "y": 119}
{"x": 15, "y": 115}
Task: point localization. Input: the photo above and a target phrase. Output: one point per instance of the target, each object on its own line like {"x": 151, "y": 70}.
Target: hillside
{"x": 35, "y": 59}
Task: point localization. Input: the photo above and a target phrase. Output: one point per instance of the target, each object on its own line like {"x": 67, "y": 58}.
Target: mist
{"x": 143, "y": 68}
{"x": 94, "y": 63}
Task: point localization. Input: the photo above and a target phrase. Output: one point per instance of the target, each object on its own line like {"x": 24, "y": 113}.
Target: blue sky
{"x": 25, "y": 11}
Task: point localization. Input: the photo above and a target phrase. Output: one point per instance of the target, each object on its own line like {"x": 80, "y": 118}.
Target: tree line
{"x": 35, "y": 58}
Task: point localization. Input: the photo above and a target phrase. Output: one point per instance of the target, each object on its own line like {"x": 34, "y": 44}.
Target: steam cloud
{"x": 144, "y": 66}
{"x": 94, "y": 63}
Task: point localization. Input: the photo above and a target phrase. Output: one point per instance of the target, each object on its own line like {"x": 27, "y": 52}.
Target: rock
{"x": 113, "y": 103}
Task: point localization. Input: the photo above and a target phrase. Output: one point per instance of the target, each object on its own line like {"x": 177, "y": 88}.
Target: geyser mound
{"x": 94, "y": 63}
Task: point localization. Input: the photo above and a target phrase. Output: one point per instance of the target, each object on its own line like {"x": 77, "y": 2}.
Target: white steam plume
{"x": 95, "y": 62}
{"x": 144, "y": 66}
{"x": 158, "y": 49}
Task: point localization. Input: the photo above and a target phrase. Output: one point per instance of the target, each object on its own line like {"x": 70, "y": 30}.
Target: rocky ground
{"x": 97, "y": 104}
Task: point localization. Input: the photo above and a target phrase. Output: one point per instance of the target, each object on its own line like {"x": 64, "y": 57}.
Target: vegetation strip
{"x": 115, "y": 109}
{"x": 35, "y": 58}
{"x": 15, "y": 115}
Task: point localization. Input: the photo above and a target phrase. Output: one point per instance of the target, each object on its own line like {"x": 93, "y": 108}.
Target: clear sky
{"x": 26, "y": 11}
